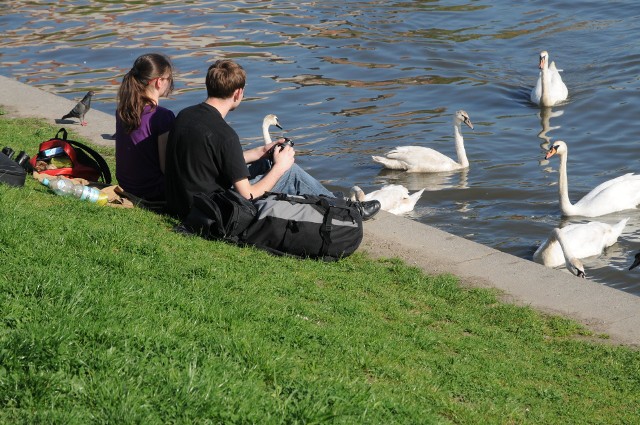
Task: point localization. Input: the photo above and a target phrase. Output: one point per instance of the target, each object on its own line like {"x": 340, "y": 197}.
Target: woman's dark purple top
{"x": 137, "y": 161}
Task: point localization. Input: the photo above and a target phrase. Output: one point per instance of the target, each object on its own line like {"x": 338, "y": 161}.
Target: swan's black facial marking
{"x": 581, "y": 274}
{"x": 542, "y": 61}
{"x": 552, "y": 151}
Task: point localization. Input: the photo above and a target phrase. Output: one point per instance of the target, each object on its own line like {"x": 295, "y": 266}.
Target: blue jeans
{"x": 295, "y": 181}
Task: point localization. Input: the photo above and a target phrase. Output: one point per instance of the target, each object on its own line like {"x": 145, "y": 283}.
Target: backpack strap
{"x": 64, "y": 134}
{"x": 323, "y": 200}
{"x": 104, "y": 168}
{"x": 325, "y": 230}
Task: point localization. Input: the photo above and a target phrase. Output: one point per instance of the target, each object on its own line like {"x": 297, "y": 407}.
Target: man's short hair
{"x": 224, "y": 77}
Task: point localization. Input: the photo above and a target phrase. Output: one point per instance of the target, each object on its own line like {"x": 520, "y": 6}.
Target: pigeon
{"x": 81, "y": 108}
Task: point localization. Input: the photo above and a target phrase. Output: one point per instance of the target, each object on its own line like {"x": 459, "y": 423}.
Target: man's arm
{"x": 255, "y": 154}
{"x": 282, "y": 161}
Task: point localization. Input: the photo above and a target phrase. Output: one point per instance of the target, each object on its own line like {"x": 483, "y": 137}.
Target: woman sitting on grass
{"x": 142, "y": 127}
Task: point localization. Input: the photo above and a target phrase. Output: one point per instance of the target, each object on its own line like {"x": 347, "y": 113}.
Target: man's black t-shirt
{"x": 204, "y": 154}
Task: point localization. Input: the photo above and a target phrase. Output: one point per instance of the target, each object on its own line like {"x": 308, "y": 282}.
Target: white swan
{"x": 267, "y": 122}
{"x": 621, "y": 193}
{"x": 393, "y": 198}
{"x": 549, "y": 89}
{"x": 418, "y": 159}
{"x": 573, "y": 264}
{"x": 577, "y": 241}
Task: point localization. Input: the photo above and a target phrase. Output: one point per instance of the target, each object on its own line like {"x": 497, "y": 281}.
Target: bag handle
{"x": 104, "y": 168}
{"x": 64, "y": 134}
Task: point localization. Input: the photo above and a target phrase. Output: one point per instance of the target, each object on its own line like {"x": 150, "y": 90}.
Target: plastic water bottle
{"x": 66, "y": 187}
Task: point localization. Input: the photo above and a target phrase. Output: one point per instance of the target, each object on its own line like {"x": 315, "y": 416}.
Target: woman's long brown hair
{"x": 132, "y": 94}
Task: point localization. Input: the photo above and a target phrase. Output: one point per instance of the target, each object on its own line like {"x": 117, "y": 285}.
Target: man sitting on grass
{"x": 204, "y": 153}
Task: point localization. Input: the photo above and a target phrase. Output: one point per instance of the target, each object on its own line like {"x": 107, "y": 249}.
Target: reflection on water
{"x": 546, "y": 113}
{"x": 349, "y": 79}
{"x": 427, "y": 181}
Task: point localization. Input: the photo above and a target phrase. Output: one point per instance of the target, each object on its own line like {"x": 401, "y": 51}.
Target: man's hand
{"x": 265, "y": 148}
{"x": 259, "y": 152}
{"x": 283, "y": 159}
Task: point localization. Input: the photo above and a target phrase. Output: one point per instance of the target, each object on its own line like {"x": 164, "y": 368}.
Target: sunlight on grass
{"x": 109, "y": 316}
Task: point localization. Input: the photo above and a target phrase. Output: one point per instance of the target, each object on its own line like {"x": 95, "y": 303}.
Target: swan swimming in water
{"x": 393, "y": 198}
{"x": 621, "y": 193}
{"x": 550, "y": 89}
{"x": 577, "y": 241}
{"x": 267, "y": 122}
{"x": 418, "y": 159}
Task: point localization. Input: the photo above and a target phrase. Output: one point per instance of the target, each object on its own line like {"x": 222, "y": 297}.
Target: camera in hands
{"x": 287, "y": 142}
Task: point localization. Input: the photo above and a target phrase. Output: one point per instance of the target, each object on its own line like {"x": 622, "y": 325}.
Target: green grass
{"x": 108, "y": 316}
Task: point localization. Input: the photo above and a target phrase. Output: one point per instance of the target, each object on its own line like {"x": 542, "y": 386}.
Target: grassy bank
{"x": 108, "y": 316}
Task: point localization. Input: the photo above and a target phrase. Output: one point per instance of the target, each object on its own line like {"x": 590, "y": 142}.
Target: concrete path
{"x": 602, "y": 309}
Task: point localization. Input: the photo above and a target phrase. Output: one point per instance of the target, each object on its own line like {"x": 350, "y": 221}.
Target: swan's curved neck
{"x": 566, "y": 206}
{"x": 557, "y": 236}
{"x": 571, "y": 262}
{"x": 462, "y": 154}
{"x": 545, "y": 81}
{"x": 265, "y": 134}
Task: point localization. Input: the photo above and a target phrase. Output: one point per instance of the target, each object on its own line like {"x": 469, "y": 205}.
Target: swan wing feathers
{"x": 536, "y": 93}
{"x": 407, "y": 203}
{"x": 421, "y": 159}
{"x": 591, "y": 238}
{"x": 614, "y": 232}
{"x": 552, "y": 67}
{"x": 394, "y": 191}
{"x": 623, "y": 192}
{"x": 581, "y": 240}
{"x": 392, "y": 164}
{"x": 558, "y": 87}
{"x": 394, "y": 198}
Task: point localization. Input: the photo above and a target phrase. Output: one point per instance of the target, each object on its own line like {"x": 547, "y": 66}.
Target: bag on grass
{"x": 223, "y": 214}
{"x": 63, "y": 157}
{"x": 11, "y": 172}
{"x": 306, "y": 226}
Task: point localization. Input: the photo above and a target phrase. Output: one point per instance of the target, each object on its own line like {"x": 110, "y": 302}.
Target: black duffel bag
{"x": 306, "y": 226}
{"x": 223, "y": 214}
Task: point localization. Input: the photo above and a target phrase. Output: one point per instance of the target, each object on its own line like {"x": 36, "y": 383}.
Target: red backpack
{"x": 62, "y": 157}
